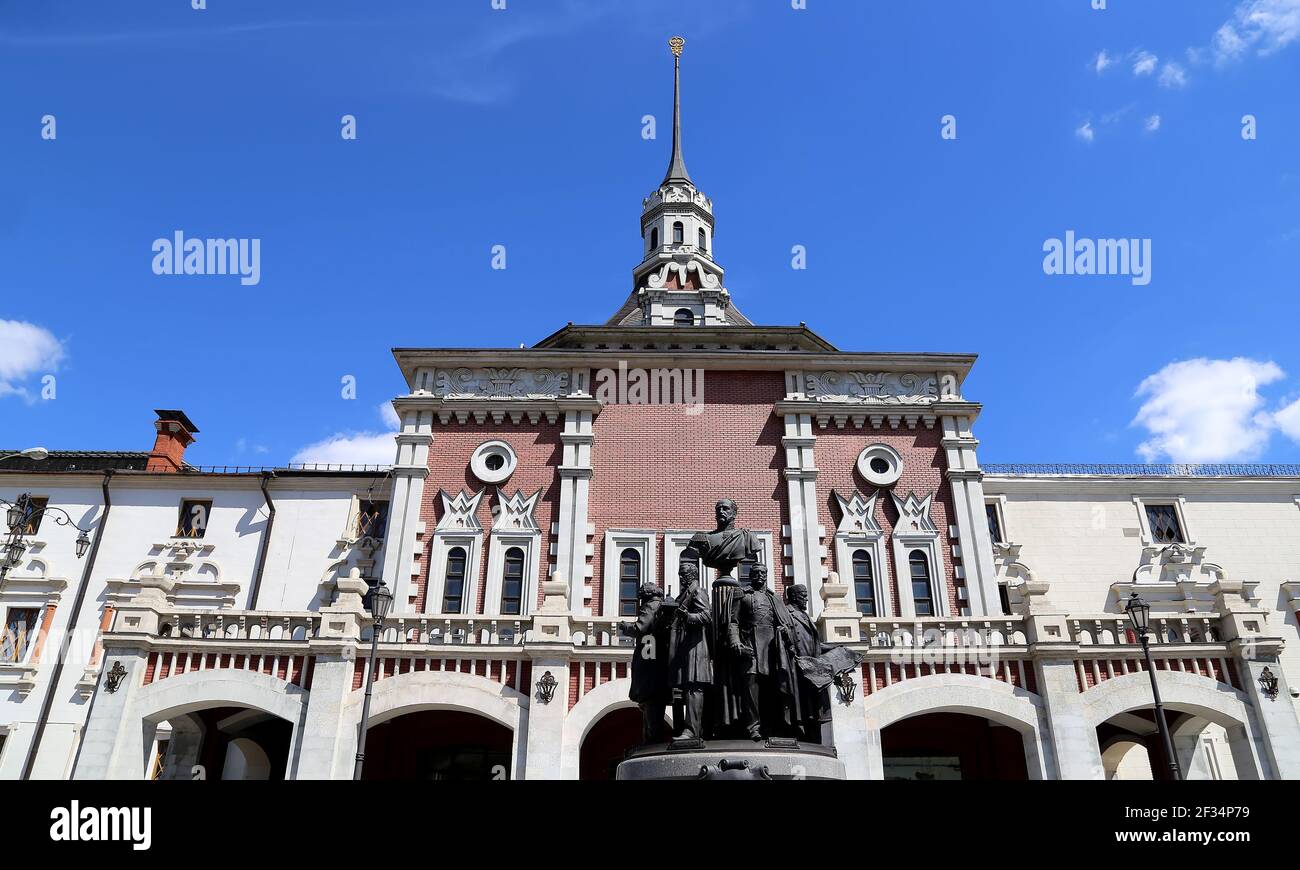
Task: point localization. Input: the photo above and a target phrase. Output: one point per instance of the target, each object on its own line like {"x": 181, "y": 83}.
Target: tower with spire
{"x": 677, "y": 283}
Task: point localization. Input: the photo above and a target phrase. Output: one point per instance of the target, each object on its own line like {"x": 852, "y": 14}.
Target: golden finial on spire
{"x": 677, "y": 44}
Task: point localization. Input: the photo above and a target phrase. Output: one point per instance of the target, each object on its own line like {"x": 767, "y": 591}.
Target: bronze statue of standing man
{"x": 690, "y": 655}
{"x": 649, "y": 669}
{"x": 760, "y": 636}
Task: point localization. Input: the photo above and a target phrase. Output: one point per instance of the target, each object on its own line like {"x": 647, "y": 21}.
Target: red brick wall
{"x": 539, "y": 451}
{"x": 923, "y": 466}
{"x": 657, "y": 467}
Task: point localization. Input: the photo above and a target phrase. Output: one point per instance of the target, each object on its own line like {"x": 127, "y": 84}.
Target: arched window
{"x": 679, "y": 233}
{"x": 512, "y": 582}
{"x": 453, "y": 583}
{"x": 704, "y": 241}
{"x": 922, "y": 597}
{"x": 864, "y": 586}
{"x": 654, "y": 238}
{"x": 684, "y": 317}
{"x": 629, "y": 581}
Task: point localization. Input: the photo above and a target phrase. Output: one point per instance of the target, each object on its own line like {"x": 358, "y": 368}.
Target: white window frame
{"x": 349, "y": 535}
{"x": 999, "y": 503}
{"x": 846, "y": 544}
{"x": 616, "y": 541}
{"x": 1178, "y": 502}
{"x": 928, "y": 543}
{"x": 41, "y": 606}
{"x": 442, "y": 544}
{"x": 530, "y": 543}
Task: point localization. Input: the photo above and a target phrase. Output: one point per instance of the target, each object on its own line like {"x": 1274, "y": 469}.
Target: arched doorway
{"x": 1126, "y": 759}
{"x": 938, "y": 746}
{"x": 1135, "y": 749}
{"x": 608, "y": 741}
{"x": 224, "y": 743}
{"x": 448, "y": 745}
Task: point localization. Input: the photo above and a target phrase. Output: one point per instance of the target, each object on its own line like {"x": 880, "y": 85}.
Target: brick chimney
{"x": 175, "y": 433}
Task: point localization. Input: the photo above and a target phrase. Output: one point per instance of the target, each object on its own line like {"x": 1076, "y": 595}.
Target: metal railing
{"x": 1182, "y": 469}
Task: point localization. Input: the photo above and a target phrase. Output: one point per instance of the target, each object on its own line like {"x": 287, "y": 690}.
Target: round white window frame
{"x": 478, "y": 462}
{"x": 887, "y": 453}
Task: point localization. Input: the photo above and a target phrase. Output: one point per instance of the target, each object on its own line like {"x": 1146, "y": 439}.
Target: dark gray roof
{"x": 77, "y": 460}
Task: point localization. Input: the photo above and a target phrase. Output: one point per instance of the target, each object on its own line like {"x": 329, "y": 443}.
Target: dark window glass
{"x": 371, "y": 517}
{"x": 453, "y": 587}
{"x": 1005, "y": 597}
{"x": 922, "y": 597}
{"x": 512, "y": 583}
{"x": 193, "y": 522}
{"x": 629, "y": 581}
{"x": 684, "y": 317}
{"x": 704, "y": 241}
{"x": 995, "y": 526}
{"x": 1163, "y": 520}
{"x": 864, "y": 587}
{"x": 654, "y": 238}
{"x": 20, "y": 630}
{"x": 679, "y": 233}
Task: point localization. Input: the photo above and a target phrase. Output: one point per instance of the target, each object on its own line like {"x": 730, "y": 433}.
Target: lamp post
{"x": 381, "y": 599}
{"x": 24, "y": 513}
{"x": 1139, "y": 614}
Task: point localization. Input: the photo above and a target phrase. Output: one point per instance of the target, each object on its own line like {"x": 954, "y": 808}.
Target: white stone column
{"x": 805, "y": 530}
{"x": 966, "y": 482}
{"x": 112, "y": 744}
{"x": 326, "y": 744}
{"x": 1074, "y": 752}
{"x": 545, "y": 722}
{"x": 572, "y": 529}
{"x": 401, "y": 541}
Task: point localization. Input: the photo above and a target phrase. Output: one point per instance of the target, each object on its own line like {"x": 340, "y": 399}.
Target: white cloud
{"x": 1205, "y": 410}
{"x": 1144, "y": 63}
{"x": 25, "y": 350}
{"x": 355, "y": 448}
{"x": 1085, "y": 132}
{"x": 1288, "y": 420}
{"x": 1102, "y": 61}
{"x": 1172, "y": 75}
{"x": 1263, "y": 25}
{"x": 1152, "y": 124}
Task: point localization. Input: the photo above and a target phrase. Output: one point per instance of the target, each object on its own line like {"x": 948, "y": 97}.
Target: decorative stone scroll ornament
{"x": 500, "y": 383}
{"x": 873, "y": 388}
{"x": 659, "y": 278}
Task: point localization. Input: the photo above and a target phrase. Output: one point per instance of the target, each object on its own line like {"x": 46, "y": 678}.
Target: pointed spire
{"x": 677, "y": 168}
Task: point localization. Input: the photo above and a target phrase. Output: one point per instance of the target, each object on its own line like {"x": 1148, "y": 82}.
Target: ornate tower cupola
{"x": 678, "y": 283}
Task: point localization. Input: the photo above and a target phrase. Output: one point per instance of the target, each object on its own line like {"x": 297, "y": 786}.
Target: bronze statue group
{"x": 745, "y": 664}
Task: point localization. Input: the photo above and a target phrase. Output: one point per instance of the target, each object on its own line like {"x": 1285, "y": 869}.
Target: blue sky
{"x": 522, "y": 127}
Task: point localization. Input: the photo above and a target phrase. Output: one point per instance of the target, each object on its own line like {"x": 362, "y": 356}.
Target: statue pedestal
{"x": 733, "y": 759}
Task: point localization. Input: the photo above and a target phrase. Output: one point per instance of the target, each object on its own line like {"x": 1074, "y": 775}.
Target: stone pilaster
{"x": 966, "y": 482}
{"x": 325, "y": 744}
{"x": 572, "y": 529}
{"x": 805, "y": 531}
{"x": 402, "y": 539}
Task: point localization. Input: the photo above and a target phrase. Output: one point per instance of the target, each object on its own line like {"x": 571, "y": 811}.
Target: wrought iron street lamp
{"x": 1139, "y": 615}
{"x": 36, "y": 454}
{"x": 25, "y": 514}
{"x": 381, "y": 601}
